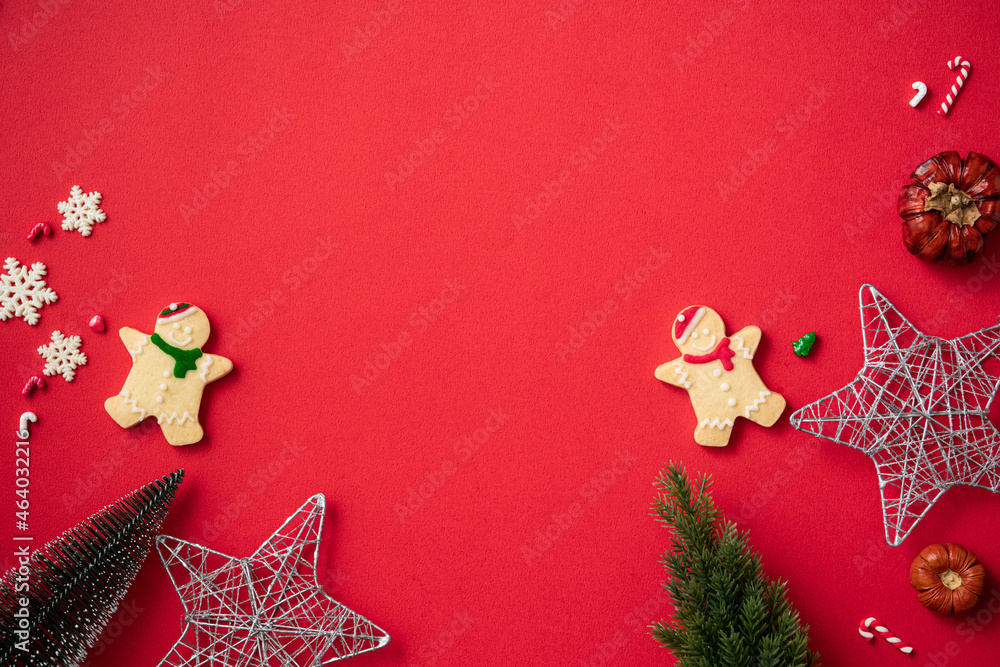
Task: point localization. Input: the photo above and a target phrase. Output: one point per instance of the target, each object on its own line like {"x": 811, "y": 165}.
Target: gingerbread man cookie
{"x": 718, "y": 373}
{"x": 169, "y": 373}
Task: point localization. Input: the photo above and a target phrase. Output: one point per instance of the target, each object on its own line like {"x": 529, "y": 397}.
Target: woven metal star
{"x": 267, "y": 610}
{"x": 918, "y": 408}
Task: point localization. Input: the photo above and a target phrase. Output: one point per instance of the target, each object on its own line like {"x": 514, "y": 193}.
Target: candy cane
{"x": 33, "y": 381}
{"x": 963, "y": 74}
{"x": 41, "y": 227}
{"x": 882, "y": 630}
{"x": 921, "y": 89}
{"x": 26, "y": 417}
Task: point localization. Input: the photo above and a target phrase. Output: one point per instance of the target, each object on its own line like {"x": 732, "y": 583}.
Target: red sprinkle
{"x": 97, "y": 323}
{"x": 41, "y": 227}
{"x": 33, "y": 381}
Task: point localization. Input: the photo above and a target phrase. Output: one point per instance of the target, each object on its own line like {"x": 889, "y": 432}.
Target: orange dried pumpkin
{"x": 948, "y": 578}
{"x": 949, "y": 207}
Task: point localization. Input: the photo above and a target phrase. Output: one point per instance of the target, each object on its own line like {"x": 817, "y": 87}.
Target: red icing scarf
{"x": 721, "y": 352}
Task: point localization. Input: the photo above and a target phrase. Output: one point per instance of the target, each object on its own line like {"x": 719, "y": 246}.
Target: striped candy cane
{"x": 963, "y": 74}
{"x": 863, "y": 630}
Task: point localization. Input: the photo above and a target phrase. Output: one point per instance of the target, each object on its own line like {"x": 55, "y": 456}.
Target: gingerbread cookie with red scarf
{"x": 717, "y": 371}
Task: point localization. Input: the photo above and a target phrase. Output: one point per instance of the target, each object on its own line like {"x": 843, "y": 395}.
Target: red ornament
{"x": 948, "y": 578}
{"x": 949, "y": 207}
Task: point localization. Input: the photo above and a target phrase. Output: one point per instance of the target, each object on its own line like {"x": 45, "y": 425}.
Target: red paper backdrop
{"x": 243, "y": 150}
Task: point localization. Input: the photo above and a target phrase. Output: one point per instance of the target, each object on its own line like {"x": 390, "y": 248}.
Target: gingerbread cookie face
{"x": 717, "y": 371}
{"x": 169, "y": 374}
{"x": 185, "y": 327}
{"x": 697, "y": 330}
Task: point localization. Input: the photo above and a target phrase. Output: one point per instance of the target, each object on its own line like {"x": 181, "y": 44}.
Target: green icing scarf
{"x": 183, "y": 359}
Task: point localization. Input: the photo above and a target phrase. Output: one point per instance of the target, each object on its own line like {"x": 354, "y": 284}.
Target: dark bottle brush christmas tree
{"x": 76, "y": 581}
{"x": 727, "y": 612}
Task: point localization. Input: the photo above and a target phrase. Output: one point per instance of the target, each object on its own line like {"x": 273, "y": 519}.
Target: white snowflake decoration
{"x": 81, "y": 211}
{"x": 23, "y": 292}
{"x": 63, "y": 355}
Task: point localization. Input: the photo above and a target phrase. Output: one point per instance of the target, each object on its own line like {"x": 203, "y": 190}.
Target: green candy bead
{"x": 802, "y": 346}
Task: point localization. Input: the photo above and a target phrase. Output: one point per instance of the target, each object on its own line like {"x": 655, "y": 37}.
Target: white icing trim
{"x": 716, "y": 423}
{"x": 180, "y": 420}
{"x": 741, "y": 347}
{"x": 128, "y": 399}
{"x": 756, "y": 403}
{"x": 178, "y": 343}
{"x": 707, "y": 347}
{"x": 679, "y": 370}
{"x": 138, "y": 348}
{"x": 204, "y": 368}
{"x": 700, "y": 313}
{"x": 190, "y": 310}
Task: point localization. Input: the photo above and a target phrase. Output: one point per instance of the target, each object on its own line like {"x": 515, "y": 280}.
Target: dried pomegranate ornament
{"x": 948, "y": 578}
{"x": 949, "y": 207}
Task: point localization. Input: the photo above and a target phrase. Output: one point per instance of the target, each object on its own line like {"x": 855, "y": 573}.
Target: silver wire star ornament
{"x": 267, "y": 610}
{"x": 918, "y": 408}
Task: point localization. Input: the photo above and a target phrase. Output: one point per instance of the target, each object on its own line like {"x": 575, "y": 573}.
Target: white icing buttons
{"x": 724, "y": 386}
{"x": 681, "y": 318}
{"x": 717, "y": 372}
{"x": 159, "y": 399}
{"x": 166, "y": 374}
{"x": 163, "y": 387}
{"x": 732, "y": 402}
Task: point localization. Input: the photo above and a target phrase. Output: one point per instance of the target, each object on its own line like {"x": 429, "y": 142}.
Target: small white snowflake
{"x": 23, "y": 292}
{"x": 62, "y": 356}
{"x": 80, "y": 211}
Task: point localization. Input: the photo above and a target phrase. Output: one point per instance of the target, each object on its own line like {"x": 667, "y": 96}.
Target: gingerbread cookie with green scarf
{"x": 169, "y": 373}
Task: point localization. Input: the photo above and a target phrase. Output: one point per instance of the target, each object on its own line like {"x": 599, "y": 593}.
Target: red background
{"x": 812, "y": 100}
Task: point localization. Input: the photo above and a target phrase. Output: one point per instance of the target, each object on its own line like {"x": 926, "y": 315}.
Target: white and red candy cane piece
{"x": 33, "y": 381}
{"x": 41, "y": 227}
{"x": 863, "y": 630}
{"x": 963, "y": 74}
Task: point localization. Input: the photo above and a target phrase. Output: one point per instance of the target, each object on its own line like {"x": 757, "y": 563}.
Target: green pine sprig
{"x": 728, "y": 613}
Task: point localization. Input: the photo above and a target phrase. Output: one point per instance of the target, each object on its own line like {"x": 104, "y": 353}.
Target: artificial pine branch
{"x": 77, "y": 580}
{"x": 727, "y": 613}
